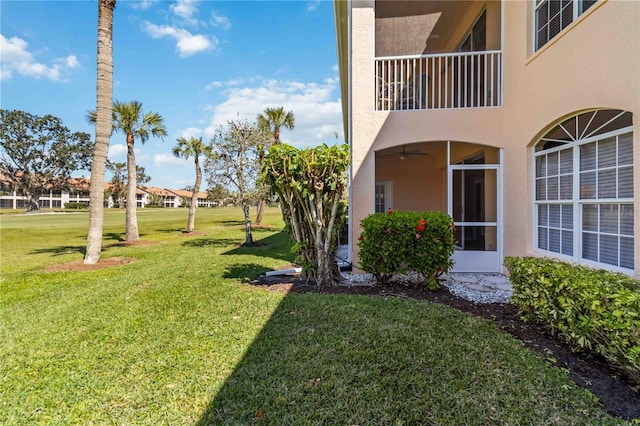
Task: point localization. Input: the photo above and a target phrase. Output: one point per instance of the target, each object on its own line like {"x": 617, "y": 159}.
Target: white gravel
{"x": 474, "y": 287}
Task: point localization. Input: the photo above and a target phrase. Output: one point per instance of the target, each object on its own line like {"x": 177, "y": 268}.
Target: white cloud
{"x": 17, "y": 58}
{"x": 316, "y": 109}
{"x": 72, "y": 61}
{"x": 212, "y": 85}
{"x": 117, "y": 153}
{"x": 313, "y": 5}
{"x": 165, "y": 160}
{"x": 187, "y": 44}
{"x": 186, "y": 9}
{"x": 190, "y": 132}
{"x": 143, "y": 5}
{"x": 220, "y": 21}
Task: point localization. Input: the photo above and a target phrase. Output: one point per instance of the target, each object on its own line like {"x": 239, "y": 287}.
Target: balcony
{"x": 438, "y": 81}
{"x": 437, "y": 54}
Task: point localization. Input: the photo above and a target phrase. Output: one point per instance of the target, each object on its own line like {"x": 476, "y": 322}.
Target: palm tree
{"x": 271, "y": 121}
{"x": 104, "y": 94}
{"x": 128, "y": 118}
{"x": 186, "y": 149}
{"x": 275, "y": 118}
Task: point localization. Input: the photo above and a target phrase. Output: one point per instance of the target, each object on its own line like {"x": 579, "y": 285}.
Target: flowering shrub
{"x": 397, "y": 242}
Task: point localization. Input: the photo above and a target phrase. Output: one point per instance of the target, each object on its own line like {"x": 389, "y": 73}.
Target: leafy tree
{"x": 118, "y": 187}
{"x": 218, "y": 194}
{"x": 39, "y": 153}
{"x": 104, "y": 97}
{"x": 310, "y": 184}
{"x": 235, "y": 164}
{"x": 271, "y": 121}
{"x": 129, "y": 119}
{"x": 156, "y": 200}
{"x": 193, "y": 148}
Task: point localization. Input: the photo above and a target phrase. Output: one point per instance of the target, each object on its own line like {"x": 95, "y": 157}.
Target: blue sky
{"x": 197, "y": 63}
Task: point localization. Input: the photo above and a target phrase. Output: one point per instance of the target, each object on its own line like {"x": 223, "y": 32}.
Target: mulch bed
{"x": 617, "y": 395}
{"x": 79, "y": 266}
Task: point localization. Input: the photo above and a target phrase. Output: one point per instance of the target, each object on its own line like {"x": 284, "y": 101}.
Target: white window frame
{"x": 388, "y": 195}
{"x": 578, "y": 202}
{"x": 578, "y": 9}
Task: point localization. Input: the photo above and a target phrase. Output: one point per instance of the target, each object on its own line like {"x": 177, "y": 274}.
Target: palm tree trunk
{"x": 131, "y": 218}
{"x": 104, "y": 94}
{"x": 261, "y": 206}
{"x": 248, "y": 240}
{"x": 191, "y": 223}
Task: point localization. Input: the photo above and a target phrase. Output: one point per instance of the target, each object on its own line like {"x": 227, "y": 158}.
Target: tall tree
{"x": 104, "y": 98}
{"x": 39, "y": 153}
{"x": 118, "y": 187}
{"x": 188, "y": 148}
{"x": 235, "y": 164}
{"x": 129, "y": 119}
{"x": 273, "y": 119}
{"x": 270, "y": 122}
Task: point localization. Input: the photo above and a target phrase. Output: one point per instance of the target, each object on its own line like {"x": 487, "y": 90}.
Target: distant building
{"x": 79, "y": 193}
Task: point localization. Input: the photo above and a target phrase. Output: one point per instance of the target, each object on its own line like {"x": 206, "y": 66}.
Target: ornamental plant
{"x": 587, "y": 308}
{"x": 398, "y": 242}
{"x": 310, "y": 184}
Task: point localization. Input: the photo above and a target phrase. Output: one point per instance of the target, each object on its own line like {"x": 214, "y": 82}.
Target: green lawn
{"x": 179, "y": 337}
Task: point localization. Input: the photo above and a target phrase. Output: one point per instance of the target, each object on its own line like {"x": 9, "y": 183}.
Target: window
{"x": 584, "y": 189}
{"x": 552, "y": 16}
{"x": 383, "y": 196}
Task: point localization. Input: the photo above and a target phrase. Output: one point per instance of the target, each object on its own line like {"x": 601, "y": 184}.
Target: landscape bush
{"x": 76, "y": 206}
{"x": 588, "y": 308}
{"x": 397, "y": 242}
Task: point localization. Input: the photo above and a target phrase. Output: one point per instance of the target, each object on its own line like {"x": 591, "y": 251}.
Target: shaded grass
{"x": 176, "y": 338}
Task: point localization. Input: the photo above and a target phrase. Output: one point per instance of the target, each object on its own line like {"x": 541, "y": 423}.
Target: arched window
{"x": 584, "y": 189}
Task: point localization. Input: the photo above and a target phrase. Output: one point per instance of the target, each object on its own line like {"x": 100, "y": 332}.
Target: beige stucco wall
{"x": 595, "y": 63}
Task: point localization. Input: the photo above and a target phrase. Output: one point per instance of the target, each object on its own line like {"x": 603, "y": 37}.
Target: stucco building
{"x": 517, "y": 118}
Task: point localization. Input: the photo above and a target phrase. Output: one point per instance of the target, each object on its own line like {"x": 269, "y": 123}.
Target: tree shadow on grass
{"x": 340, "y": 360}
{"x": 60, "y": 250}
{"x": 231, "y": 222}
{"x": 244, "y": 271}
{"x": 210, "y": 242}
{"x": 276, "y": 246}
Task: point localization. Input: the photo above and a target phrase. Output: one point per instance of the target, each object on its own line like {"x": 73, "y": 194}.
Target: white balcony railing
{"x": 452, "y": 80}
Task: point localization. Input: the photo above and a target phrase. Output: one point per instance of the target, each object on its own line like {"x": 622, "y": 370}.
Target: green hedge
{"x": 397, "y": 242}
{"x": 76, "y": 206}
{"x": 588, "y": 308}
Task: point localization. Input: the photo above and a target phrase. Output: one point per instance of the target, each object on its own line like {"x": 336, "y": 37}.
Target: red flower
{"x": 388, "y": 231}
{"x": 390, "y": 211}
{"x": 361, "y": 237}
{"x": 453, "y": 226}
{"x": 420, "y": 228}
{"x": 439, "y": 269}
{"x": 422, "y": 222}
{"x": 418, "y": 236}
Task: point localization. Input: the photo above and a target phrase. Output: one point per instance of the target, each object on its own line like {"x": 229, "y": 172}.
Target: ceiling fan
{"x": 404, "y": 154}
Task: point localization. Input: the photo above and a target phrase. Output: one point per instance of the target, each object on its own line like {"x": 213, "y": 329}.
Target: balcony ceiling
{"x": 432, "y": 22}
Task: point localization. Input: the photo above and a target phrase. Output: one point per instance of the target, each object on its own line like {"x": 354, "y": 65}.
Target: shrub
{"x": 587, "y": 308}
{"x": 76, "y": 206}
{"x": 397, "y": 242}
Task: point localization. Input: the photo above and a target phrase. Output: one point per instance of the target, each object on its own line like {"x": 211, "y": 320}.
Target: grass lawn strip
{"x": 177, "y": 338}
